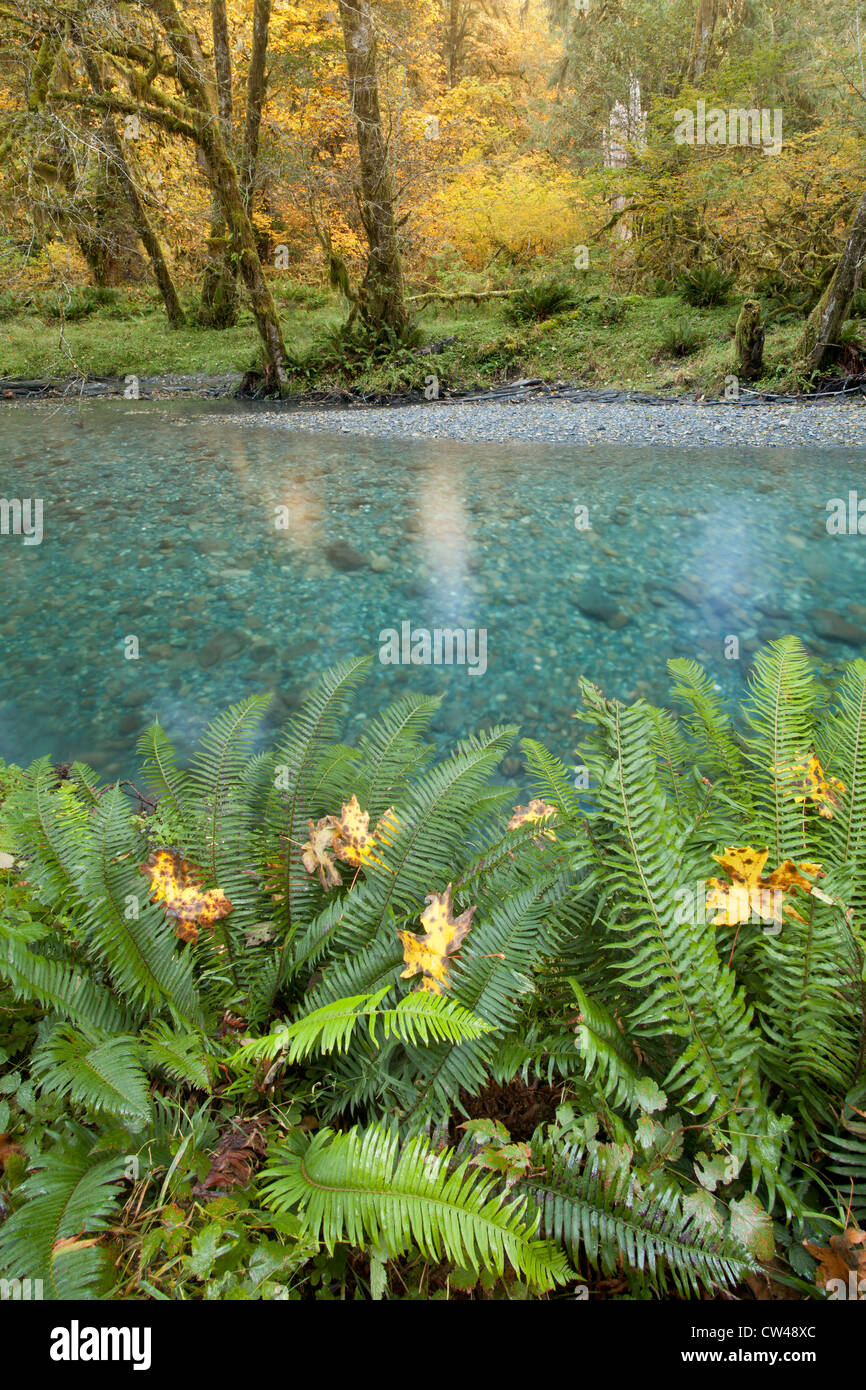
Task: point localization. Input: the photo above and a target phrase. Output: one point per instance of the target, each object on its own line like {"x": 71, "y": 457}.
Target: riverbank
{"x": 594, "y": 422}
{"x": 522, "y": 412}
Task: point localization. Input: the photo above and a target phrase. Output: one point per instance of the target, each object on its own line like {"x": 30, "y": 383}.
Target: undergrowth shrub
{"x": 705, "y": 286}
{"x": 682, "y": 337}
{"x": 219, "y": 997}
{"x": 533, "y": 303}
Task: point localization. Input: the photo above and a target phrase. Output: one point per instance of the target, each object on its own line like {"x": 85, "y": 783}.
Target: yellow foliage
{"x": 528, "y": 208}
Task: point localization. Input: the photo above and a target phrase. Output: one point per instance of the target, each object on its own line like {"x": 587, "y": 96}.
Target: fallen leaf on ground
{"x": 235, "y": 1159}
{"x": 316, "y": 857}
{"x": 536, "y": 813}
{"x": 842, "y": 1255}
{"x": 7, "y": 1148}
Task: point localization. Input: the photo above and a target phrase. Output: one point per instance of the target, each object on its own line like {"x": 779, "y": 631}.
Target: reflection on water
{"x": 235, "y": 559}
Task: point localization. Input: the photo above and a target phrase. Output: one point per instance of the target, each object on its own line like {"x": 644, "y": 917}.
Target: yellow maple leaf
{"x": 805, "y": 781}
{"x": 445, "y": 934}
{"x": 750, "y": 893}
{"x": 316, "y": 858}
{"x": 387, "y": 828}
{"x": 536, "y": 813}
{"x": 177, "y": 883}
{"x": 353, "y": 841}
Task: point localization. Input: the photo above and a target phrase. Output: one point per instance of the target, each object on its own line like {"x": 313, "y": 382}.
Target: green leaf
{"x": 752, "y": 1226}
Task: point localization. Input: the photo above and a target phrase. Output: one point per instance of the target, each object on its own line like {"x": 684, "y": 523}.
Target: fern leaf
{"x": 103, "y": 1073}
{"x": 360, "y": 1187}
{"x": 605, "y": 1211}
{"x": 417, "y": 1018}
{"x": 67, "y": 1202}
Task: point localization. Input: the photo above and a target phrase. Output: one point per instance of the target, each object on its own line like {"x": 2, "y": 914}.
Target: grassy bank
{"x": 605, "y": 340}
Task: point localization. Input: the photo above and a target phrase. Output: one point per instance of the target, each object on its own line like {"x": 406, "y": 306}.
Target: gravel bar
{"x": 824, "y": 425}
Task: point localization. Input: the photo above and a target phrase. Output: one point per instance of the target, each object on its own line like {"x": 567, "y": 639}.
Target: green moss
{"x": 608, "y": 340}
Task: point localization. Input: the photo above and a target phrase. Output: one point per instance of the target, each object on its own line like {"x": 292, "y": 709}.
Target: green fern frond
{"x": 715, "y": 743}
{"x": 603, "y": 1209}
{"x": 391, "y": 752}
{"x": 131, "y": 937}
{"x": 49, "y": 825}
{"x": 493, "y": 979}
{"x": 673, "y": 757}
{"x": 56, "y": 985}
{"x": 428, "y": 846}
{"x": 105, "y": 1074}
{"x": 220, "y": 759}
{"x": 609, "y": 1061}
{"x": 552, "y": 780}
{"x": 67, "y": 1201}
{"x": 846, "y": 1150}
{"x": 669, "y": 960}
{"x": 841, "y": 745}
{"x": 812, "y": 1007}
{"x": 418, "y": 1018}
{"x": 362, "y": 1188}
{"x": 290, "y": 807}
{"x": 160, "y": 771}
{"x": 783, "y": 699}
{"x": 182, "y": 1057}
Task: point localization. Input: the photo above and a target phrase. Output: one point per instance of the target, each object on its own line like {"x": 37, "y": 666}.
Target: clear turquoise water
{"x": 159, "y": 523}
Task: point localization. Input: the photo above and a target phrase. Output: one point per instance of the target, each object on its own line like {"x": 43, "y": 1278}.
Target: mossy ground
{"x": 607, "y": 340}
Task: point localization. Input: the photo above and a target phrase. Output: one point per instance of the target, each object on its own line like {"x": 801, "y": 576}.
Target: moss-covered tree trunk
{"x": 749, "y": 341}
{"x": 225, "y": 183}
{"x": 104, "y": 230}
{"x": 148, "y": 237}
{"x": 381, "y": 297}
{"x": 219, "y": 307}
{"x": 98, "y": 212}
{"x": 816, "y": 347}
{"x": 256, "y": 87}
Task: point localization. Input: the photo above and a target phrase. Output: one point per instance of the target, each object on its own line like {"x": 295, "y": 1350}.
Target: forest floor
{"x": 625, "y": 341}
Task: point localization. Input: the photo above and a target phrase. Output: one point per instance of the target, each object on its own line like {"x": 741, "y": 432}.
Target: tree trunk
{"x": 381, "y": 302}
{"x": 256, "y": 84}
{"x": 141, "y": 222}
{"x": 219, "y": 287}
{"x": 106, "y": 237}
{"x": 821, "y": 333}
{"x": 455, "y": 38}
{"x": 225, "y": 183}
{"x": 749, "y": 341}
{"x": 98, "y": 216}
{"x": 702, "y": 38}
